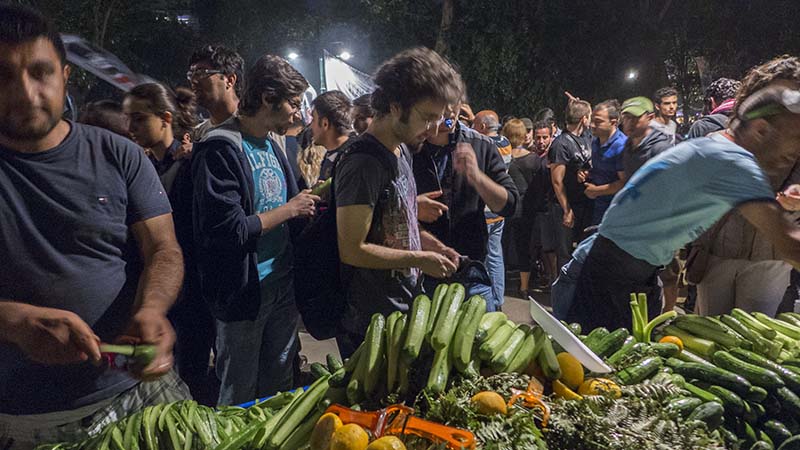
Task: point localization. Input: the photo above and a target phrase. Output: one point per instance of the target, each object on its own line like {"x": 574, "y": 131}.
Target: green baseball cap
{"x": 638, "y": 106}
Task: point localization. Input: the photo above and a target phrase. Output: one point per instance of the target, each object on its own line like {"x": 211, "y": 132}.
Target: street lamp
{"x": 632, "y": 75}
{"x": 345, "y": 55}
{"x": 293, "y": 55}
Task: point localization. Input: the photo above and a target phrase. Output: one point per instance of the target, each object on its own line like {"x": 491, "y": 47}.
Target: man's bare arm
{"x": 768, "y": 218}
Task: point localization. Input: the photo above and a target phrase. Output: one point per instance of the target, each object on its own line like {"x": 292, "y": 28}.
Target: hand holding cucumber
{"x": 150, "y": 326}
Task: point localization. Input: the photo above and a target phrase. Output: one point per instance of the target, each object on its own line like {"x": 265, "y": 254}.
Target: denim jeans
{"x": 255, "y": 358}
{"x": 562, "y": 292}
{"x": 495, "y": 294}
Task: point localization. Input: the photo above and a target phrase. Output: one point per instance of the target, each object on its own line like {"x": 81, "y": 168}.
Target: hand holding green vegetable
{"x": 150, "y": 326}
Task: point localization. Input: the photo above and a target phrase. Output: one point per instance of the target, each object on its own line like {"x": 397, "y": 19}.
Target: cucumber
{"x": 714, "y": 375}
{"x": 701, "y": 331}
{"x": 778, "y": 325}
{"x": 524, "y": 355}
{"x": 547, "y": 360}
{"x": 440, "y": 371}
{"x": 687, "y": 356}
{"x": 376, "y": 351}
{"x": 640, "y": 371}
{"x": 732, "y": 402}
{"x": 760, "y": 344}
{"x": 706, "y": 322}
{"x": 629, "y": 346}
{"x": 575, "y": 328}
{"x": 417, "y": 327}
{"x": 394, "y": 344}
{"x": 334, "y": 363}
{"x": 790, "y": 378}
{"x": 700, "y": 346}
{"x": 789, "y": 318}
{"x": 492, "y": 346}
{"x": 508, "y": 349}
{"x": 610, "y": 343}
{"x": 594, "y": 337}
{"x": 446, "y": 323}
{"x": 318, "y": 370}
{"x": 464, "y": 337}
{"x": 701, "y": 393}
{"x": 682, "y": 407}
{"x": 665, "y": 350}
{"x": 297, "y": 411}
{"x": 754, "y": 374}
{"x": 489, "y": 324}
{"x": 777, "y": 431}
{"x": 753, "y": 323}
{"x": 756, "y": 394}
{"x": 710, "y": 413}
{"x": 789, "y": 401}
{"x": 439, "y": 295}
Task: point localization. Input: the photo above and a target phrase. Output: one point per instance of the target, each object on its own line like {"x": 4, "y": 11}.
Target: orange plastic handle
{"x": 456, "y": 438}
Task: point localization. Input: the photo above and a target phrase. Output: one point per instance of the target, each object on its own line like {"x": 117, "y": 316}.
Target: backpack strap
{"x": 382, "y": 157}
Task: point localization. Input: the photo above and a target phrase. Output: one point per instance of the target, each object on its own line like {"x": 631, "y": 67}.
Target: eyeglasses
{"x": 295, "y": 104}
{"x": 431, "y": 124}
{"x": 202, "y": 73}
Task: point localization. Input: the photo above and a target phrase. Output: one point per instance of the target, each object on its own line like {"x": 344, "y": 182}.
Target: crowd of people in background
{"x": 227, "y": 173}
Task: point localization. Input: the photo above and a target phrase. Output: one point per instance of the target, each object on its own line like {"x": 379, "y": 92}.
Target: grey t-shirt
{"x": 65, "y": 217}
{"x": 361, "y": 179}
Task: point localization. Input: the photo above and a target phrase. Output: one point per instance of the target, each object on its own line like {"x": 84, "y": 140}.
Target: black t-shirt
{"x": 326, "y": 169}
{"x": 65, "y": 217}
{"x": 361, "y": 179}
{"x": 532, "y": 179}
{"x": 574, "y": 152}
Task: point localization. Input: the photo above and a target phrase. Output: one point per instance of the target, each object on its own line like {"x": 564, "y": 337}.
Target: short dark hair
{"x": 20, "y": 24}
{"x": 542, "y": 124}
{"x": 667, "y": 91}
{"x": 222, "y": 58}
{"x": 106, "y": 114}
{"x": 781, "y": 68}
{"x": 274, "y": 77}
{"x": 577, "y": 110}
{"x": 545, "y": 114}
{"x": 336, "y": 107}
{"x": 612, "y": 106}
{"x": 723, "y": 89}
{"x": 414, "y": 75}
{"x": 364, "y": 105}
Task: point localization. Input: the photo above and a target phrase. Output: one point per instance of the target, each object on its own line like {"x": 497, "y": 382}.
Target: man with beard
{"x": 244, "y": 195}
{"x": 216, "y": 77}
{"x": 331, "y": 126}
{"x": 376, "y": 197}
{"x": 73, "y": 195}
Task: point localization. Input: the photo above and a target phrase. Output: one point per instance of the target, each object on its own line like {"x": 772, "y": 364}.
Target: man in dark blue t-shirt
{"x": 72, "y": 197}
{"x": 607, "y": 174}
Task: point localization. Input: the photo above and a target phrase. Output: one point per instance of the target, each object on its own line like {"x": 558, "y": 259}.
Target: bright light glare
{"x": 345, "y": 55}
{"x": 293, "y": 55}
{"x": 632, "y": 75}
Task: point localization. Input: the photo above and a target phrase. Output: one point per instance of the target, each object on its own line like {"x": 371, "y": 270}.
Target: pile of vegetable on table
{"x": 678, "y": 382}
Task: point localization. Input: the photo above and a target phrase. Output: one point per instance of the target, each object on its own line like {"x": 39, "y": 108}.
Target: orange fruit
{"x": 672, "y": 340}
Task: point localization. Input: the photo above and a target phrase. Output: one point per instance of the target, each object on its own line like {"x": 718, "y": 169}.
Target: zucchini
{"x": 665, "y": 350}
{"x": 297, "y": 411}
{"x": 777, "y": 431}
{"x": 640, "y": 371}
{"x": 702, "y": 321}
{"x": 489, "y": 324}
{"x": 547, "y": 360}
{"x": 595, "y": 336}
{"x": 492, "y": 346}
{"x": 439, "y": 295}
{"x": 440, "y": 371}
{"x": 778, "y": 325}
{"x": 464, "y": 337}
{"x": 701, "y": 393}
{"x": 756, "y": 375}
{"x": 575, "y": 328}
{"x": 334, "y": 363}
{"x": 508, "y": 349}
{"x": 682, "y": 407}
{"x": 417, "y": 327}
{"x": 376, "y": 352}
{"x": 524, "y": 355}
{"x": 700, "y": 346}
{"x": 710, "y": 413}
{"x": 318, "y": 370}
{"x": 756, "y": 394}
{"x": 698, "y": 329}
{"x": 792, "y": 319}
{"x": 789, "y": 377}
{"x": 394, "y": 346}
{"x": 714, "y": 375}
{"x": 760, "y": 344}
{"x": 687, "y": 356}
{"x": 610, "y": 343}
{"x": 753, "y": 323}
{"x": 789, "y": 401}
{"x": 446, "y": 321}
{"x": 732, "y": 402}
{"x": 629, "y": 346}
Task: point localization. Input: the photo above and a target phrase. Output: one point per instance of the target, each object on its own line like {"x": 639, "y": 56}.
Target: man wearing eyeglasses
{"x": 376, "y": 197}
{"x": 244, "y": 197}
{"x": 465, "y": 171}
{"x": 215, "y": 75}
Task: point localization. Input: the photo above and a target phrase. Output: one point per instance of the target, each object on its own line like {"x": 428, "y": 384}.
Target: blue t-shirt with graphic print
{"x": 274, "y": 259}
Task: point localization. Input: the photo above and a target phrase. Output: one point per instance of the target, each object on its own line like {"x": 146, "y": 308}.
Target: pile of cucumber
{"x": 739, "y": 371}
{"x": 284, "y": 421}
